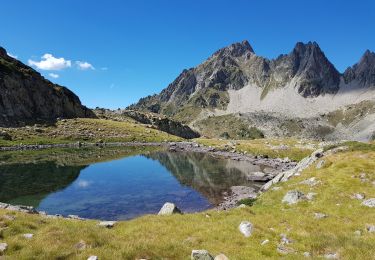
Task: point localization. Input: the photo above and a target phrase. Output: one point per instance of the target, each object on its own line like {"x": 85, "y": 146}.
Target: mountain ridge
{"x": 26, "y": 97}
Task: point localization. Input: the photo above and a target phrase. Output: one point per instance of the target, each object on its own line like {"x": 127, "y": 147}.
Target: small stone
{"x": 3, "y": 247}
{"x": 320, "y": 215}
{"x": 293, "y": 197}
{"x": 107, "y": 224}
{"x": 201, "y": 255}
{"x": 370, "y": 228}
{"x": 310, "y": 182}
{"x": 285, "y": 240}
{"x": 81, "y": 245}
{"x": 310, "y": 195}
{"x": 28, "y": 236}
{"x": 93, "y": 257}
{"x": 264, "y": 242}
{"x": 169, "y": 209}
{"x": 284, "y": 250}
{"x": 331, "y": 256}
{"x": 358, "y": 196}
{"x": 246, "y": 228}
{"x": 306, "y": 254}
{"x": 276, "y": 188}
{"x": 221, "y": 257}
{"x": 369, "y": 203}
{"x": 320, "y": 164}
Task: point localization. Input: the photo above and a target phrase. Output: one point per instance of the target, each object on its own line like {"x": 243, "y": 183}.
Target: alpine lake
{"x": 118, "y": 183}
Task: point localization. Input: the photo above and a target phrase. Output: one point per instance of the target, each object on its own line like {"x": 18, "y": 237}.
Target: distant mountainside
{"x": 27, "y": 97}
{"x": 235, "y": 84}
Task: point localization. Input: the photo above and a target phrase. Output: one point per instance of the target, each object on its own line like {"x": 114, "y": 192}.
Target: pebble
{"x": 320, "y": 215}
{"x": 331, "y": 256}
{"x": 28, "y": 236}
{"x": 221, "y": 257}
{"x": 93, "y": 257}
{"x": 107, "y": 224}
{"x": 264, "y": 242}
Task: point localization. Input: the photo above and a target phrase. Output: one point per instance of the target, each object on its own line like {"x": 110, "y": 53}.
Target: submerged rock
{"x": 201, "y": 255}
{"x": 246, "y": 228}
{"x": 169, "y": 209}
{"x": 293, "y": 197}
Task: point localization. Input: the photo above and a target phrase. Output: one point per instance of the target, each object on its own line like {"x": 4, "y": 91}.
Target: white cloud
{"x": 13, "y": 56}
{"x": 84, "y": 65}
{"x": 48, "y": 62}
{"x": 53, "y": 75}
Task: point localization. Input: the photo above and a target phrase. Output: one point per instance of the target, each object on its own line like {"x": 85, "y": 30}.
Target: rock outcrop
{"x": 27, "y": 97}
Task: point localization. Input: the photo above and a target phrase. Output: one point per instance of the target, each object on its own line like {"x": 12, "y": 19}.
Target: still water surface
{"x": 123, "y": 187}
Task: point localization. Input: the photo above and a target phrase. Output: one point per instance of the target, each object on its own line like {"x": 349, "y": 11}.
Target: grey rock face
{"x": 293, "y": 197}
{"x": 27, "y": 97}
{"x": 201, "y": 255}
{"x": 236, "y": 66}
{"x": 169, "y": 209}
{"x": 363, "y": 72}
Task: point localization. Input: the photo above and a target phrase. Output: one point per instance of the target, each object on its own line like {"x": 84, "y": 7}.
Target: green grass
{"x": 86, "y": 130}
{"x": 173, "y": 237}
{"x": 273, "y": 148}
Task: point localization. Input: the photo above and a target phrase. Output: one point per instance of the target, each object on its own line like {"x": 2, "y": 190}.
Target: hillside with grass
{"x": 334, "y": 223}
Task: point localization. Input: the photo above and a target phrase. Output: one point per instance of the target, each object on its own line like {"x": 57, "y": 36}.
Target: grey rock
{"x": 201, "y": 255}
{"x": 221, "y": 257}
{"x": 169, "y": 209}
{"x": 306, "y": 254}
{"x": 107, "y": 224}
{"x": 318, "y": 215}
{"x": 331, "y": 256}
{"x": 293, "y": 197}
{"x": 369, "y": 203}
{"x": 370, "y": 228}
{"x": 246, "y": 228}
{"x": 310, "y": 182}
{"x": 264, "y": 242}
{"x": 27, "y": 97}
{"x": 28, "y": 236}
{"x": 358, "y": 196}
{"x": 3, "y": 247}
{"x": 93, "y": 257}
{"x": 285, "y": 250}
{"x": 363, "y": 72}
{"x": 310, "y": 195}
{"x": 320, "y": 164}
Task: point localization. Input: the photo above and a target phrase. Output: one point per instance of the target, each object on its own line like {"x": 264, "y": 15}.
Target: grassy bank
{"x": 173, "y": 237}
{"x": 274, "y": 148}
{"x": 85, "y": 130}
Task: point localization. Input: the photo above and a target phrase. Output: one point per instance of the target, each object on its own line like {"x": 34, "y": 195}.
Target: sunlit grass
{"x": 173, "y": 237}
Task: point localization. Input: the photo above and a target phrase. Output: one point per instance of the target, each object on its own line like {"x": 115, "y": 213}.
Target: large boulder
{"x": 169, "y": 209}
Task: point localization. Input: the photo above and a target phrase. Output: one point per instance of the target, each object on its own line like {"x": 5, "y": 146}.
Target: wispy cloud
{"x": 49, "y": 62}
{"x": 13, "y": 56}
{"x": 53, "y": 75}
{"x": 84, "y": 65}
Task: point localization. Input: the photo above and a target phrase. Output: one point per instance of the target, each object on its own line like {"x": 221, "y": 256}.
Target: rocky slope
{"x": 27, "y": 97}
{"x": 300, "y": 86}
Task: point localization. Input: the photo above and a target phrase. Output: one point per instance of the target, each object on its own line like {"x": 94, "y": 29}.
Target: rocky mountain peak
{"x": 3, "y": 52}
{"x": 363, "y": 72}
{"x": 236, "y": 49}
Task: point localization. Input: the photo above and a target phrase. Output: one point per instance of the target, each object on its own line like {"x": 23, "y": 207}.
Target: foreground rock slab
{"x": 201, "y": 255}
{"x": 3, "y": 247}
{"x": 169, "y": 209}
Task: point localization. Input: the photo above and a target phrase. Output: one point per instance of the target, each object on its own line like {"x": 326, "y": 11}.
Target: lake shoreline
{"x": 230, "y": 200}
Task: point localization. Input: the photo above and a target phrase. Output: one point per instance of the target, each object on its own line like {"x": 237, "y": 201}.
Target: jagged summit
{"x": 236, "y": 49}
{"x": 362, "y": 73}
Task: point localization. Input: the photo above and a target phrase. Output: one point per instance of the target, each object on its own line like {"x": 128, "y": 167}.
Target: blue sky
{"x": 137, "y": 48}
